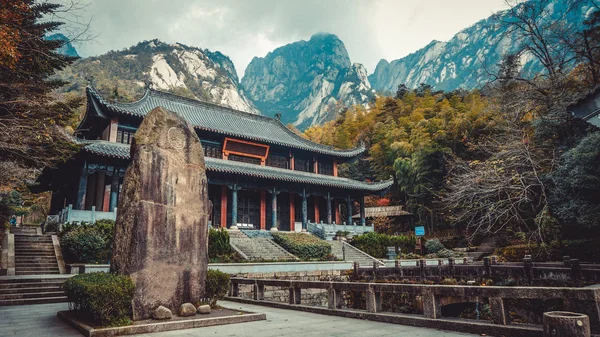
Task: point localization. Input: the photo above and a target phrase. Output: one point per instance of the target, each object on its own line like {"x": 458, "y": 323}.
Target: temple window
{"x": 280, "y": 160}
{"x": 124, "y": 137}
{"x": 325, "y": 167}
{"x": 303, "y": 164}
{"x": 211, "y": 149}
{"x": 244, "y": 159}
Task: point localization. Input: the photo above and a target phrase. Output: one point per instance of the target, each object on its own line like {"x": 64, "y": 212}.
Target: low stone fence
{"x": 585, "y": 300}
{"x": 570, "y": 271}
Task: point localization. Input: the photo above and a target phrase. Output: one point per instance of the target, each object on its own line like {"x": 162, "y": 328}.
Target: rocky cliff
{"x": 466, "y": 60}
{"x": 184, "y": 70}
{"x": 307, "y": 82}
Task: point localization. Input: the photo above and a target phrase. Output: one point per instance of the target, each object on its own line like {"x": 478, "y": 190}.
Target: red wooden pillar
{"x": 292, "y": 212}
{"x": 335, "y": 173}
{"x": 223, "y": 206}
{"x": 263, "y": 210}
{"x": 338, "y": 216}
{"x": 112, "y": 132}
{"x": 316, "y": 205}
{"x": 106, "y": 198}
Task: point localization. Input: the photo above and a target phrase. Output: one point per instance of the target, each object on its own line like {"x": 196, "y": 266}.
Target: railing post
{"x": 93, "y": 214}
{"x": 69, "y": 213}
{"x": 451, "y": 266}
{"x": 431, "y": 305}
{"x": 259, "y": 292}
{"x": 486, "y": 266}
{"x": 422, "y": 268}
{"x": 335, "y": 299}
{"x": 375, "y": 269}
{"x": 397, "y": 267}
{"x": 373, "y": 299}
{"x": 356, "y": 270}
{"x": 527, "y": 265}
{"x": 235, "y": 289}
{"x": 500, "y": 314}
{"x": 567, "y": 261}
{"x": 494, "y": 260}
{"x": 575, "y": 270}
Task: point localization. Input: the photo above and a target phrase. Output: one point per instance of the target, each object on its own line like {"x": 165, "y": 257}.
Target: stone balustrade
{"x": 582, "y": 298}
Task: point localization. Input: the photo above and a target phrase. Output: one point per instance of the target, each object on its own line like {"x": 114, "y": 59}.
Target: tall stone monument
{"x": 161, "y": 229}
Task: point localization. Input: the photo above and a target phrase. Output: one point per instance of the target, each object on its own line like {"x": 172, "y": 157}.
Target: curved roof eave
{"x": 122, "y": 151}
{"x": 249, "y": 126}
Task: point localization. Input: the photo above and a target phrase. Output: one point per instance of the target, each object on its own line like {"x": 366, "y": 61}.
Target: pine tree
{"x": 32, "y": 123}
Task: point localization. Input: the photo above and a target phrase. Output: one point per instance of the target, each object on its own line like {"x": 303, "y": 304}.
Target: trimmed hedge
{"x": 101, "y": 298}
{"x": 88, "y": 243}
{"x": 375, "y": 244}
{"x": 304, "y": 246}
{"x": 216, "y": 286}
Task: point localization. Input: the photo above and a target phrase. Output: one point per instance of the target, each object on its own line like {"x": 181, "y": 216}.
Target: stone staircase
{"x": 258, "y": 248}
{"x": 352, "y": 254}
{"x": 18, "y": 290}
{"x": 34, "y": 253}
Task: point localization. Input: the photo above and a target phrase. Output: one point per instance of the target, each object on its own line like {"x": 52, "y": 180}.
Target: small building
{"x": 261, "y": 175}
{"x": 588, "y": 108}
{"x": 398, "y": 217}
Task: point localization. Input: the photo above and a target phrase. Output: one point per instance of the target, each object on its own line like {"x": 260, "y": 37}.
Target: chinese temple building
{"x": 261, "y": 175}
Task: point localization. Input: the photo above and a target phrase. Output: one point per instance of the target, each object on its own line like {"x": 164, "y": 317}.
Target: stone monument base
{"x": 221, "y": 316}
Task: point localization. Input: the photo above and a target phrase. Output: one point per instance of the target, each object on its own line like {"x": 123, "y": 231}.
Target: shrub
{"x": 51, "y": 226}
{"x": 375, "y": 244}
{"x": 216, "y": 286}
{"x": 101, "y": 298}
{"x": 218, "y": 243}
{"x": 84, "y": 245}
{"x": 304, "y": 246}
{"x": 433, "y": 246}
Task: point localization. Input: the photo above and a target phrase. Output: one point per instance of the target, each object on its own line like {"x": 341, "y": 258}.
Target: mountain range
{"x": 309, "y": 82}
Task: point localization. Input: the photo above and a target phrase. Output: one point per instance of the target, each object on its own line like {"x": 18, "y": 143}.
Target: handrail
{"x": 431, "y": 296}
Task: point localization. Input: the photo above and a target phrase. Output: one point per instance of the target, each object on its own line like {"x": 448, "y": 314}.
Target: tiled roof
{"x": 215, "y": 118}
{"x": 122, "y": 151}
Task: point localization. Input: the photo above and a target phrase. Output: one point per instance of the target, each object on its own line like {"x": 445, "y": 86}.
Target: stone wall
{"x": 317, "y": 297}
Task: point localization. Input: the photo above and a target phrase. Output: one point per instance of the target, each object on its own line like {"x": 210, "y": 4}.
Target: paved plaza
{"x": 40, "y": 320}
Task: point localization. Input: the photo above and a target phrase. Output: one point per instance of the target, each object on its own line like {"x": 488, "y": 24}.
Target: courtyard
{"x": 40, "y": 320}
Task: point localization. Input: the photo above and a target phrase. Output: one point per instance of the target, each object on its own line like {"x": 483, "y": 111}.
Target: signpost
{"x": 419, "y": 231}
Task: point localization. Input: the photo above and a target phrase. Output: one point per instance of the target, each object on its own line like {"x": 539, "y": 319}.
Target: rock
{"x": 187, "y": 309}
{"x": 204, "y": 309}
{"x": 161, "y": 229}
{"x": 162, "y": 313}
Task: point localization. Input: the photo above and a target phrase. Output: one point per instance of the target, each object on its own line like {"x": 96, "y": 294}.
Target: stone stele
{"x": 161, "y": 228}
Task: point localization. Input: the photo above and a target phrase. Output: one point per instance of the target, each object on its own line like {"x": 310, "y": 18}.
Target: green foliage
{"x": 304, "y": 246}
{"x": 375, "y": 244}
{"x": 87, "y": 243}
{"x": 101, "y": 298}
{"x": 218, "y": 243}
{"x": 577, "y": 181}
{"x": 434, "y": 246}
{"x": 216, "y": 285}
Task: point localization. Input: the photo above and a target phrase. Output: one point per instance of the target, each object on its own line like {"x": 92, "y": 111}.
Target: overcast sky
{"x": 243, "y": 29}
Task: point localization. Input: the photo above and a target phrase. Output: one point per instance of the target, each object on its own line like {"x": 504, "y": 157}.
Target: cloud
{"x": 243, "y": 29}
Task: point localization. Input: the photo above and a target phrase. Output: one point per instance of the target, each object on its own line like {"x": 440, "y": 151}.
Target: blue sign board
{"x": 420, "y": 231}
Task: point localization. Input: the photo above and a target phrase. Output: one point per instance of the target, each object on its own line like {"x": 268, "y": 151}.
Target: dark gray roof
{"x": 121, "y": 151}
{"x": 219, "y": 119}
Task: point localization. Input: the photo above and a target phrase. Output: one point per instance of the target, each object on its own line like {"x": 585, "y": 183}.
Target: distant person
{"x": 13, "y": 221}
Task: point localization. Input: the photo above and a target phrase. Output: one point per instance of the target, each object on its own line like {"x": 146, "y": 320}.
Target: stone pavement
{"x": 40, "y": 320}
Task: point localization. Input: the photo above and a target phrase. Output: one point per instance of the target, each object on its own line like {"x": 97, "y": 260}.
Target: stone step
{"x": 31, "y": 295}
{"x": 30, "y": 285}
{"x": 19, "y": 272}
{"x": 40, "y": 289}
{"x": 33, "y": 258}
{"x": 33, "y": 252}
{"x": 30, "y": 268}
{"x": 21, "y": 265}
{"x": 46, "y": 300}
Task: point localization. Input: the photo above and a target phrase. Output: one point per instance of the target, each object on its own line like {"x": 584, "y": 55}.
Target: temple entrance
{"x": 249, "y": 207}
